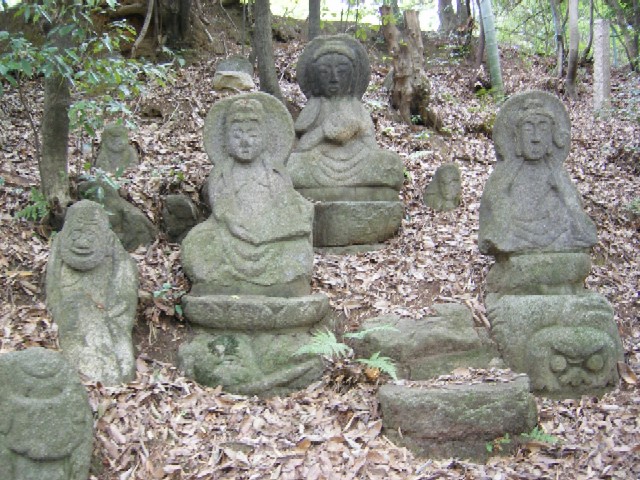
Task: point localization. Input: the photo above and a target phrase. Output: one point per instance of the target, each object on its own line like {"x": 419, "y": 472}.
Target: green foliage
{"x": 37, "y": 209}
{"x": 539, "y": 435}
{"x": 100, "y": 177}
{"x": 171, "y": 294}
{"x": 325, "y": 344}
{"x": 498, "y": 444}
{"x": 634, "y": 206}
{"x": 384, "y": 364}
{"x": 90, "y": 61}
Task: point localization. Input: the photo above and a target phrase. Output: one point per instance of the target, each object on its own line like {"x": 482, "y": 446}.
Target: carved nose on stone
{"x": 576, "y": 377}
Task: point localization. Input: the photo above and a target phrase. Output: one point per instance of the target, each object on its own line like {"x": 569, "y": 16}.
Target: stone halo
{"x": 504, "y": 135}
{"x": 278, "y": 126}
{"x": 362, "y": 69}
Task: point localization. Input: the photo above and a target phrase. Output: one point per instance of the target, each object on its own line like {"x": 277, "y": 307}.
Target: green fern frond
{"x": 325, "y": 343}
{"x": 384, "y": 364}
{"x": 360, "y": 334}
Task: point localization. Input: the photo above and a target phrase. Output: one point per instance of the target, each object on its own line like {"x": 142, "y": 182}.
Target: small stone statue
{"x": 46, "y": 424}
{"x": 258, "y": 238}
{"x": 336, "y": 159}
{"x": 444, "y": 192}
{"x": 92, "y": 292}
{"x": 115, "y": 151}
{"x": 529, "y": 202}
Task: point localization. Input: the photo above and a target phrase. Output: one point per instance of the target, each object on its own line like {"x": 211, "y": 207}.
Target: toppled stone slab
{"x": 456, "y": 420}
{"x": 431, "y": 346}
{"x": 232, "y": 81}
{"x": 46, "y": 423}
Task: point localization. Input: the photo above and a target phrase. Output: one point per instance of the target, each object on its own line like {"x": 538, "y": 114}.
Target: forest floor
{"x": 163, "y": 425}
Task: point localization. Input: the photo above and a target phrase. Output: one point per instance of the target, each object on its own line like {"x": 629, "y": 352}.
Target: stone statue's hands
{"x": 341, "y": 129}
{"x": 242, "y": 233}
{"x": 310, "y": 139}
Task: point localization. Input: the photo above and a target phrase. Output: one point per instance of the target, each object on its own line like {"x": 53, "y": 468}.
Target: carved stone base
{"x": 568, "y": 344}
{"x": 355, "y": 223}
{"x": 248, "y": 344}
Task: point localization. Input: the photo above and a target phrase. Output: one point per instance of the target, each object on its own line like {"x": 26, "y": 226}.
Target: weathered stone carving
{"x": 234, "y": 73}
{"x": 250, "y": 263}
{"x": 531, "y": 219}
{"x": 529, "y": 202}
{"x": 129, "y": 223}
{"x": 257, "y": 240}
{"x": 445, "y": 190}
{"x": 115, "y": 151}
{"x": 46, "y": 425}
{"x": 92, "y": 292}
{"x": 179, "y": 216}
{"x": 569, "y": 344}
{"x": 336, "y": 161}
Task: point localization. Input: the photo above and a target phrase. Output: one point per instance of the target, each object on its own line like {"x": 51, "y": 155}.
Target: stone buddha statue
{"x": 257, "y": 218}
{"x": 92, "y": 293}
{"x": 336, "y": 158}
{"x": 529, "y": 203}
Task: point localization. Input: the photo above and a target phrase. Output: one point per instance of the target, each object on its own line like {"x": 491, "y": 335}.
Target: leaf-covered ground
{"x": 165, "y": 426}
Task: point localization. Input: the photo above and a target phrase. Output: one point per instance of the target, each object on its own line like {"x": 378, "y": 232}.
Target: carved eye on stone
{"x": 595, "y": 362}
{"x": 558, "y": 363}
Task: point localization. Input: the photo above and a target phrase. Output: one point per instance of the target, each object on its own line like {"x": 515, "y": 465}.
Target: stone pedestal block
{"x": 456, "y": 420}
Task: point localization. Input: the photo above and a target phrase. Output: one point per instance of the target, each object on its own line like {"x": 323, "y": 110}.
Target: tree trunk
{"x": 628, "y": 22}
{"x": 263, "y": 46}
{"x": 410, "y": 91}
{"x": 559, "y": 33}
{"x": 491, "y": 45}
{"x": 314, "y": 19}
{"x": 587, "y": 49}
{"x": 574, "y": 41}
{"x": 447, "y": 16}
{"x": 462, "y": 12}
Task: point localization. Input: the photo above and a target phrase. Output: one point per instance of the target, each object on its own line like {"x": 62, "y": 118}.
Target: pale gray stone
{"x": 529, "y": 203}
{"x": 445, "y": 190}
{"x": 92, "y": 293}
{"x": 456, "y": 420}
{"x": 235, "y": 63}
{"x": 601, "y": 67}
{"x": 128, "y": 222}
{"x": 232, "y": 81}
{"x": 568, "y": 344}
{"x": 430, "y": 346}
{"x": 115, "y": 152}
{"x": 46, "y": 423}
{"x": 337, "y": 151}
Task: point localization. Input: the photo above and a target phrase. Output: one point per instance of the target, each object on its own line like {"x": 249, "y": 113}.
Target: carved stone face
{"x": 449, "y": 184}
{"x": 334, "y": 75}
{"x": 244, "y": 141}
{"x": 116, "y": 143}
{"x": 84, "y": 245}
{"x": 536, "y": 137}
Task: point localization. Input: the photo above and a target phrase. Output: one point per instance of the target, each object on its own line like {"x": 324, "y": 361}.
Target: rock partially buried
{"x": 92, "y": 293}
{"x": 445, "y": 190}
{"x": 443, "y": 421}
{"x": 336, "y": 161}
{"x": 46, "y": 424}
{"x": 250, "y": 263}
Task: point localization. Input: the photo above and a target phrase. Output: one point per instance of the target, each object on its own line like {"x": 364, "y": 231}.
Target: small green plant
{"x": 37, "y": 209}
{"x": 99, "y": 178}
{"x": 324, "y": 343}
{"x": 539, "y": 435}
{"x": 498, "y": 444}
{"x": 634, "y": 206}
{"x": 170, "y": 293}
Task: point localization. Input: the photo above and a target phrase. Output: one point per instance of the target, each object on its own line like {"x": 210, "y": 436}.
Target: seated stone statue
{"x": 46, "y": 426}
{"x": 115, "y": 151}
{"x": 92, "y": 292}
{"x": 258, "y": 237}
{"x": 444, "y": 191}
{"x": 529, "y": 203}
{"x": 337, "y": 146}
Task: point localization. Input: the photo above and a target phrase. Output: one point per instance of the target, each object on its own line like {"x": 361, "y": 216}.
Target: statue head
{"x": 244, "y": 136}
{"x": 86, "y": 236}
{"x": 333, "y": 66}
{"x": 447, "y": 178}
{"x": 115, "y": 138}
{"x": 334, "y": 70}
{"x": 536, "y": 131}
